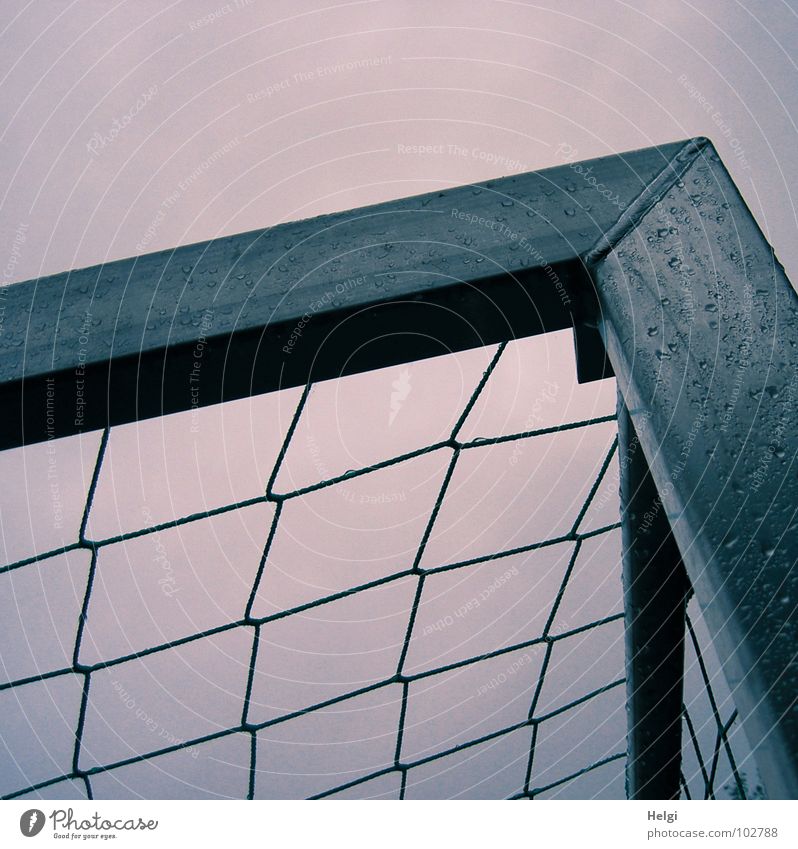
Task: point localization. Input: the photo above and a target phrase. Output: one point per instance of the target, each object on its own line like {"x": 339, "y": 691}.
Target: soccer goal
{"x": 482, "y": 493}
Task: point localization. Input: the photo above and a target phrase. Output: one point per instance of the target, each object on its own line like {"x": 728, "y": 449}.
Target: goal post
{"x": 650, "y": 257}
{"x": 655, "y": 589}
{"x": 701, "y": 326}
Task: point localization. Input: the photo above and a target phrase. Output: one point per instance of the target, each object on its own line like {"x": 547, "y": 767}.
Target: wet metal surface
{"x": 701, "y": 326}
{"x": 314, "y": 299}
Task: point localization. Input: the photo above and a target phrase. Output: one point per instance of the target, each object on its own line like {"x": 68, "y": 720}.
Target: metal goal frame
{"x": 654, "y": 260}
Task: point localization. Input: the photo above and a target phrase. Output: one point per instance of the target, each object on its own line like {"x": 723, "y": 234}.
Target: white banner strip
{"x": 404, "y": 826}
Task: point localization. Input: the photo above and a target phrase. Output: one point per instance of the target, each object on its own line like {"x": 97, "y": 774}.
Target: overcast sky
{"x": 312, "y": 133}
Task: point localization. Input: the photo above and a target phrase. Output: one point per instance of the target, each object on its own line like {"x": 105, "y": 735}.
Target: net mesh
{"x": 537, "y": 735}
{"x": 717, "y": 762}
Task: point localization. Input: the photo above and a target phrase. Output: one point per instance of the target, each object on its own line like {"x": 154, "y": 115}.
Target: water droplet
{"x": 569, "y": 211}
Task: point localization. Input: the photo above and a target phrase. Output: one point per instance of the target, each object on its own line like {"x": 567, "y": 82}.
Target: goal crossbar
{"x": 309, "y": 300}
